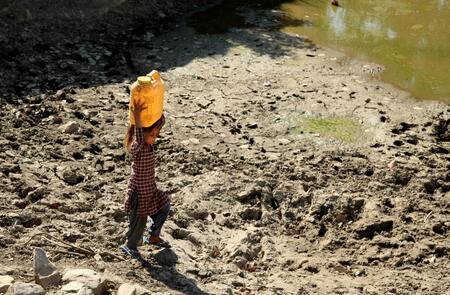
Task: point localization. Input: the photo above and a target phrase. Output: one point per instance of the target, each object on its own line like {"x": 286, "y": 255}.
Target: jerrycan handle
{"x": 154, "y": 75}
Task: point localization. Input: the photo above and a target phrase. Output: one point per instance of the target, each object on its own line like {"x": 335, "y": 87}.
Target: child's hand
{"x": 136, "y": 109}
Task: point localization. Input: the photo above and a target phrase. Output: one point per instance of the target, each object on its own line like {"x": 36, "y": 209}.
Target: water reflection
{"x": 336, "y": 18}
{"x": 440, "y": 4}
{"x": 409, "y": 37}
{"x": 391, "y": 34}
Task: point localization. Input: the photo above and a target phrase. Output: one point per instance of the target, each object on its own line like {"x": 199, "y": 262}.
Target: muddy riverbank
{"x": 292, "y": 170}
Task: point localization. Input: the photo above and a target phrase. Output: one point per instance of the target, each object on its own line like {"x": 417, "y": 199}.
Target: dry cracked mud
{"x": 291, "y": 169}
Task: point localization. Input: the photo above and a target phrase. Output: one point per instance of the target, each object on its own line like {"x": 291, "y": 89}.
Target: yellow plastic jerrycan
{"x": 149, "y": 91}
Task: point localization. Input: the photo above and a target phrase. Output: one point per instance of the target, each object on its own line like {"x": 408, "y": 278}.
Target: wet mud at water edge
{"x": 290, "y": 172}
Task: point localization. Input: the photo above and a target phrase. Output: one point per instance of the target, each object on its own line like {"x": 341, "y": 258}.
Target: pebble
{"x": 284, "y": 141}
{"x": 5, "y": 270}
{"x": 86, "y": 277}
{"x": 70, "y": 127}
{"x": 5, "y": 283}
{"x": 71, "y": 177}
{"x": 127, "y": 289}
{"x": 77, "y": 288}
{"x": 20, "y": 288}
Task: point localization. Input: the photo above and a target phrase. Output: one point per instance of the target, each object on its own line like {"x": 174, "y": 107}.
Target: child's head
{"x": 150, "y": 133}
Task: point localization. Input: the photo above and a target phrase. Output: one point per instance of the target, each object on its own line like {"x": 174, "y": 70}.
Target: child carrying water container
{"x": 143, "y": 198}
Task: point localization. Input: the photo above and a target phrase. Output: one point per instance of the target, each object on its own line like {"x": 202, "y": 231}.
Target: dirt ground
{"x": 292, "y": 170}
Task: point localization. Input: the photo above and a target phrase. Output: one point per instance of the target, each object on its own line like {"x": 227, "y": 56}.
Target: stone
{"x": 370, "y": 228}
{"x": 85, "y": 291}
{"x": 194, "y": 141}
{"x": 180, "y": 233}
{"x": 77, "y": 288}
{"x": 240, "y": 262}
{"x": 5, "y": 270}
{"x": 5, "y": 283}
{"x": 311, "y": 267}
{"x": 127, "y": 289}
{"x": 20, "y": 288}
{"x": 70, "y": 127}
{"x": 45, "y": 272}
{"x": 71, "y": 177}
{"x": 251, "y": 213}
{"x": 284, "y": 141}
{"x": 109, "y": 280}
{"x": 238, "y": 283}
{"x": 87, "y": 277}
{"x": 252, "y": 125}
{"x": 194, "y": 239}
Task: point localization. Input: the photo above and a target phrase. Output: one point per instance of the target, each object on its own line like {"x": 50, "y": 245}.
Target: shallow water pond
{"x": 411, "y": 38}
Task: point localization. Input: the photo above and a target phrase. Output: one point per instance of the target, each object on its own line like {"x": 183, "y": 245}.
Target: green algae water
{"x": 340, "y": 128}
{"x": 410, "y": 38}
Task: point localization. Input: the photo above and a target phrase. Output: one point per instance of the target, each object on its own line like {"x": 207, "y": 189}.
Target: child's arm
{"x": 138, "y": 131}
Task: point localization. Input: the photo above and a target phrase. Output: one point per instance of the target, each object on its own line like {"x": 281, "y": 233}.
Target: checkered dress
{"x": 142, "y": 180}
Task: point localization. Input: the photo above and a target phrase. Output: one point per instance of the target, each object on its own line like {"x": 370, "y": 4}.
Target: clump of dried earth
{"x": 262, "y": 202}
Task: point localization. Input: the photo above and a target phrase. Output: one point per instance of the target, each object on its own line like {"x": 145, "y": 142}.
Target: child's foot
{"x": 156, "y": 241}
{"x": 135, "y": 255}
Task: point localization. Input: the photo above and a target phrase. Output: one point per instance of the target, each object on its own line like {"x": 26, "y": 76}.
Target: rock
{"x": 5, "y": 283}
{"x": 368, "y": 229}
{"x": 6, "y": 241}
{"x": 127, "y": 289}
{"x": 45, "y": 272}
{"x": 398, "y": 142}
{"x": 194, "y": 141}
{"x": 251, "y": 213}
{"x": 76, "y": 288}
{"x": 194, "y": 239}
{"x": 441, "y": 129}
{"x": 5, "y": 270}
{"x": 71, "y": 176}
{"x": 252, "y": 125}
{"x": 370, "y": 290}
{"x": 250, "y": 195}
{"x": 20, "y": 288}
{"x": 109, "y": 280}
{"x": 402, "y": 127}
{"x": 311, "y": 267}
{"x": 198, "y": 213}
{"x": 238, "y": 283}
{"x": 284, "y": 141}
{"x": 240, "y": 262}
{"x": 37, "y": 194}
{"x": 249, "y": 253}
{"x": 412, "y": 139}
{"x": 180, "y": 233}
{"x": 70, "y": 127}
{"x": 87, "y": 277}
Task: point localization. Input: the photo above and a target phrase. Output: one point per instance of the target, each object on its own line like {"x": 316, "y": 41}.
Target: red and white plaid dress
{"x": 142, "y": 180}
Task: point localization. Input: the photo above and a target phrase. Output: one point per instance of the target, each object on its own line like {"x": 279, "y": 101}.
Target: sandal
{"x": 135, "y": 254}
{"x": 160, "y": 243}
{"x": 130, "y": 252}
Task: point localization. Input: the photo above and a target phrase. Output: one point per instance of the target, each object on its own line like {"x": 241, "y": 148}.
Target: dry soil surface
{"x": 291, "y": 169}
